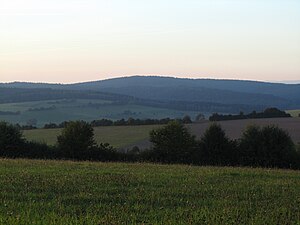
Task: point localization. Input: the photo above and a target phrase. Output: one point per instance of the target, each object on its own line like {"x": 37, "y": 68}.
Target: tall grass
{"x": 65, "y": 192}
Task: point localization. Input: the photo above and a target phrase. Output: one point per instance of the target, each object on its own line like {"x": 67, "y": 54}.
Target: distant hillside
{"x": 289, "y": 91}
{"x": 200, "y": 94}
{"x": 251, "y": 93}
{"x": 19, "y": 95}
{"x": 11, "y": 95}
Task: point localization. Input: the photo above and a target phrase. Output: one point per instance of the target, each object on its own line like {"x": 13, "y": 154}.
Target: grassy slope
{"x": 135, "y": 135}
{"x": 58, "y": 192}
{"x": 117, "y": 136}
{"x": 81, "y": 110}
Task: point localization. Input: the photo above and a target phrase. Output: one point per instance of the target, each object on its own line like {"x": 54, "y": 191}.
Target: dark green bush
{"x": 32, "y": 150}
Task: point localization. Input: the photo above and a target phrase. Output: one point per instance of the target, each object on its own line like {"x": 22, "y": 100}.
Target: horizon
{"x": 59, "y": 42}
{"x": 157, "y": 76}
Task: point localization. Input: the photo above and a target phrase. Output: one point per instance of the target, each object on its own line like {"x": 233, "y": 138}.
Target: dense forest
{"x": 267, "y": 113}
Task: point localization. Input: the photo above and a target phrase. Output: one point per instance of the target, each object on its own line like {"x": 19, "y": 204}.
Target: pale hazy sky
{"x": 80, "y": 40}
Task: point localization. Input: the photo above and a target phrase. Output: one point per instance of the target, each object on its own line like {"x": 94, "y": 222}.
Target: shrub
{"x": 32, "y": 150}
{"x": 102, "y": 152}
{"x": 200, "y": 117}
{"x": 187, "y": 119}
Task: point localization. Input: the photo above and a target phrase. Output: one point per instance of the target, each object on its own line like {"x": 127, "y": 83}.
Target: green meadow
{"x": 117, "y": 136}
{"x": 65, "y": 192}
{"x": 83, "y": 109}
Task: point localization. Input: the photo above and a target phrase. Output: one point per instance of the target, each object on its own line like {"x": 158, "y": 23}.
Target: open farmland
{"x": 234, "y": 128}
{"x": 57, "y": 111}
{"x": 129, "y": 136}
{"x": 65, "y": 192}
{"x": 117, "y": 136}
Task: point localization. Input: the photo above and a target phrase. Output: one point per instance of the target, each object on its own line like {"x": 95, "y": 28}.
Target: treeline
{"x": 122, "y": 122}
{"x": 267, "y": 113}
{"x": 9, "y": 113}
{"x": 76, "y": 142}
{"x": 268, "y": 146}
{"x": 42, "y": 109}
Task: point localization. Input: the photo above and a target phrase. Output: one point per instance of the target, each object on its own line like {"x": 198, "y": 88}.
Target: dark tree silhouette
{"x": 267, "y": 146}
{"x": 216, "y": 147}
{"x": 10, "y": 136}
{"x": 173, "y": 143}
{"x": 76, "y": 139}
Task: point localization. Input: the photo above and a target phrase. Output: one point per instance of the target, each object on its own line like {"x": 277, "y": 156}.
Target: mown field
{"x": 65, "y": 192}
{"x": 117, "y": 136}
{"x": 234, "y": 128}
{"x": 129, "y": 136}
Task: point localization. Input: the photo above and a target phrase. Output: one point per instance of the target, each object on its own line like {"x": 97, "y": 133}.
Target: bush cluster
{"x": 268, "y": 146}
{"x": 75, "y": 142}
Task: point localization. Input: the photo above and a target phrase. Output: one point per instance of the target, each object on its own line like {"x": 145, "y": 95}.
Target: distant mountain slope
{"x": 11, "y": 95}
{"x": 208, "y": 90}
{"x": 288, "y": 91}
{"x": 17, "y": 95}
{"x": 200, "y": 94}
{"x": 286, "y": 96}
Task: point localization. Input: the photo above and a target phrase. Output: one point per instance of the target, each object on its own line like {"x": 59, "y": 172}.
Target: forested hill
{"x": 285, "y": 96}
{"x": 285, "y": 91}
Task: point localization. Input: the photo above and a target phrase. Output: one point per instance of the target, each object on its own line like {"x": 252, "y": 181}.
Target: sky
{"x": 66, "y": 41}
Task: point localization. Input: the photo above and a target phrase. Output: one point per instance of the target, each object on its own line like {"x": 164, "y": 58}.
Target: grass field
{"x": 82, "y": 109}
{"x": 117, "y": 136}
{"x": 294, "y": 113}
{"x": 64, "y": 192}
{"x": 128, "y": 136}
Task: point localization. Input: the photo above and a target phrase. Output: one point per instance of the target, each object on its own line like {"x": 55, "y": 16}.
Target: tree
{"x": 186, "y": 119}
{"x": 267, "y": 146}
{"x": 173, "y": 143}
{"x": 216, "y": 147}
{"x": 76, "y": 139}
{"x": 274, "y": 112}
{"x": 10, "y": 136}
{"x": 200, "y": 117}
{"x": 32, "y": 122}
